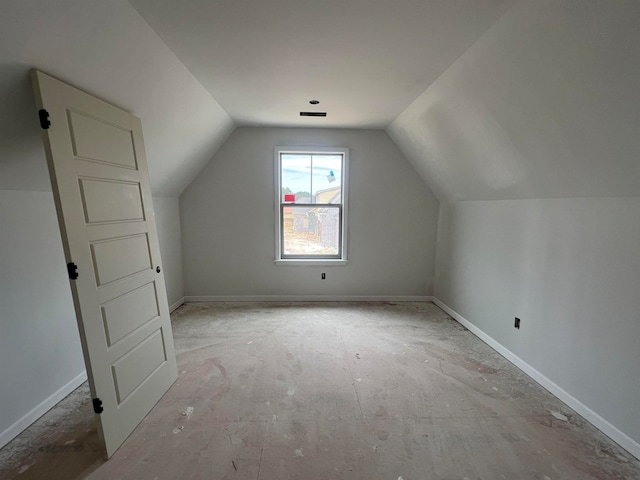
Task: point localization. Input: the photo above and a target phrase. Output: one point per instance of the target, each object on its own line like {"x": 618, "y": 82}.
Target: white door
{"x": 99, "y": 175}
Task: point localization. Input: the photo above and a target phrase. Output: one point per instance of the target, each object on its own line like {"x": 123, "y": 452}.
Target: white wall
{"x": 544, "y": 107}
{"x": 39, "y": 343}
{"x": 167, "y": 212}
{"x": 228, "y": 221}
{"x": 570, "y": 270}
{"x": 40, "y": 354}
{"x": 107, "y": 49}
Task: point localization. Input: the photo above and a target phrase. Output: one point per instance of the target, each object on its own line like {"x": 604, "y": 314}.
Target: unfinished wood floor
{"x": 323, "y": 391}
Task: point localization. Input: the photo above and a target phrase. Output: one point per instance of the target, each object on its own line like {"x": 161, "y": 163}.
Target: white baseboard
{"x": 308, "y": 298}
{"x": 18, "y": 427}
{"x": 592, "y": 417}
{"x": 175, "y": 305}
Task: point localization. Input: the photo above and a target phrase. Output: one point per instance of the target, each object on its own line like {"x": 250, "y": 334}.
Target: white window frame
{"x": 278, "y": 210}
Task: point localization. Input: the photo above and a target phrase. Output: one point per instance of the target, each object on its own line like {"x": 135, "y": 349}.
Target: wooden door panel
{"x": 133, "y": 368}
{"x": 109, "y": 201}
{"x": 99, "y": 176}
{"x": 128, "y": 312}
{"x": 136, "y": 406}
{"x": 117, "y": 258}
{"x": 91, "y": 169}
{"x": 130, "y": 341}
{"x": 116, "y": 289}
{"x": 101, "y": 141}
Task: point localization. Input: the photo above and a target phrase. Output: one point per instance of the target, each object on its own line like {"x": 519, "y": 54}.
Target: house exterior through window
{"x": 311, "y": 194}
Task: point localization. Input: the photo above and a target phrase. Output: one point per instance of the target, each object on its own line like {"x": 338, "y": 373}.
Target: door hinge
{"x": 72, "y": 268}
{"x": 44, "y": 119}
{"x": 97, "y": 405}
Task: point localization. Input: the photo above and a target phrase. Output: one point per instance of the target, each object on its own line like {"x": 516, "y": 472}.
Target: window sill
{"x": 290, "y": 262}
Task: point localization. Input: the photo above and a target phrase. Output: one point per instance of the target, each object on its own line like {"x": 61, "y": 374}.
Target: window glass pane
{"x": 311, "y": 230}
{"x": 327, "y": 179}
{"x": 295, "y": 171}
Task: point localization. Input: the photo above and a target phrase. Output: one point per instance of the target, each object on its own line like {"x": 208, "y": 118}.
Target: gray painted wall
{"x": 570, "y": 270}
{"x": 167, "y": 210}
{"x": 40, "y": 348}
{"x": 39, "y": 342}
{"x": 107, "y": 49}
{"x": 545, "y": 106}
{"x": 228, "y": 221}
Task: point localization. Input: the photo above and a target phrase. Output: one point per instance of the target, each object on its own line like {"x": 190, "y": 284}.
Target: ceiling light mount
{"x": 314, "y": 102}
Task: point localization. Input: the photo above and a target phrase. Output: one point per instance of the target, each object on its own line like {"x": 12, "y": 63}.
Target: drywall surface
{"x": 39, "y": 341}
{"x": 533, "y": 138}
{"x": 228, "y": 220}
{"x": 167, "y": 212}
{"x": 107, "y": 49}
{"x": 570, "y": 270}
{"x": 366, "y": 61}
{"x": 545, "y": 104}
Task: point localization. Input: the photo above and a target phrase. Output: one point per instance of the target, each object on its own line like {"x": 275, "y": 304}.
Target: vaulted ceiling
{"x": 545, "y": 104}
{"x": 364, "y": 60}
{"x": 108, "y": 50}
{"x": 488, "y": 99}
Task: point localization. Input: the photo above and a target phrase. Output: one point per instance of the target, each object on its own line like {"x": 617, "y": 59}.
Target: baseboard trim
{"x": 307, "y": 298}
{"x": 592, "y": 417}
{"x": 19, "y": 426}
{"x": 174, "y": 306}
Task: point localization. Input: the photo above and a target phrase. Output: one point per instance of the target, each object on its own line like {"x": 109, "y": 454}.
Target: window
{"x": 311, "y": 200}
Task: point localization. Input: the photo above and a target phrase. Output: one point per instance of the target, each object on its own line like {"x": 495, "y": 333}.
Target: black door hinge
{"x": 72, "y": 268}
{"x": 97, "y": 405}
{"x": 44, "y": 119}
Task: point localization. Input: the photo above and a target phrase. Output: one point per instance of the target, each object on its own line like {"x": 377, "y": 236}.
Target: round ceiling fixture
{"x": 314, "y": 102}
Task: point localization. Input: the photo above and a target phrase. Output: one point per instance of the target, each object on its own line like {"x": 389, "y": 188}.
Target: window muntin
{"x": 311, "y": 203}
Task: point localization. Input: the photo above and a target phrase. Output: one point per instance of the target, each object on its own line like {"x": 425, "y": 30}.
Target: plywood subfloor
{"x": 353, "y": 391}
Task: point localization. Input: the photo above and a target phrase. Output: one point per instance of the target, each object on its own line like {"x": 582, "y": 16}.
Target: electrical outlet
{"x": 324, "y": 275}
{"x": 517, "y": 323}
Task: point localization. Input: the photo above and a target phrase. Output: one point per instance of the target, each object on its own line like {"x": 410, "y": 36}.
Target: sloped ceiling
{"x": 488, "y": 99}
{"x": 107, "y": 49}
{"x": 364, "y": 60}
{"x": 546, "y": 104}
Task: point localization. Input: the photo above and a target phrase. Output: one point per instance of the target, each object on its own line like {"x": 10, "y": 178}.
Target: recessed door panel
{"x": 120, "y": 257}
{"x": 108, "y": 201}
{"x": 125, "y": 314}
{"x": 137, "y": 365}
{"x": 100, "y": 140}
{"x": 100, "y": 182}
